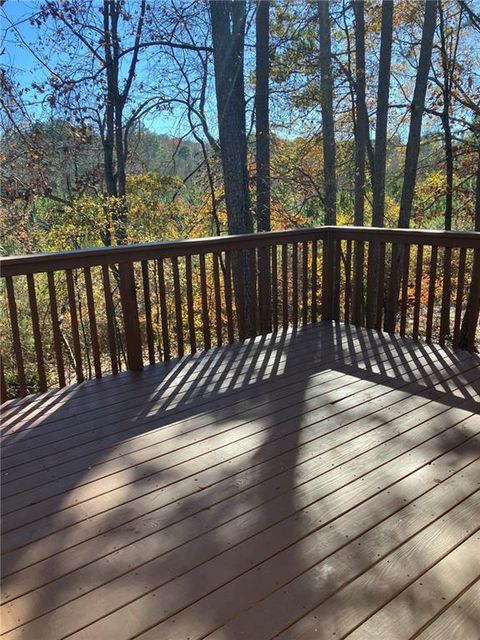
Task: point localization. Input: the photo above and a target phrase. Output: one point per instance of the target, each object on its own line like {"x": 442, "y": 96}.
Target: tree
{"x": 361, "y": 138}
{"x": 379, "y": 157}
{"x": 262, "y": 154}
{"x": 328, "y": 129}
{"x": 228, "y": 37}
{"x": 416, "y": 114}
{"x": 228, "y": 19}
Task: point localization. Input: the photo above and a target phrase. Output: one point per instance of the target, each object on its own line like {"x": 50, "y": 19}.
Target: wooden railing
{"x": 82, "y": 314}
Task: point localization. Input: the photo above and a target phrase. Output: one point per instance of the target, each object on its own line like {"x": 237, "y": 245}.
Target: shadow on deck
{"x": 316, "y": 484}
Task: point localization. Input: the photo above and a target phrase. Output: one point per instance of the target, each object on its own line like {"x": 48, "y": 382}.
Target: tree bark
{"x": 228, "y": 34}
{"x": 328, "y": 130}
{"x": 262, "y": 148}
{"x": 472, "y": 310}
{"x": 379, "y": 160}
{"x": 361, "y": 137}
{"x": 417, "y": 108}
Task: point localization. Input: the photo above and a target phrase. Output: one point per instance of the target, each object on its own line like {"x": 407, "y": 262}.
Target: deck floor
{"x": 322, "y": 483}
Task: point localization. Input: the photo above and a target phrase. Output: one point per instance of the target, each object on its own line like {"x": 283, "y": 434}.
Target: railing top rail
{"x": 41, "y": 262}
{"x": 54, "y": 261}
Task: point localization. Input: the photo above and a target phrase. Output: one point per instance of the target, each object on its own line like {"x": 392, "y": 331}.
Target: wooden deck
{"x": 322, "y": 483}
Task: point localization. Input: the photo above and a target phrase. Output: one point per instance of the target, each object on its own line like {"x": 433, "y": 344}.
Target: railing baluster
{"x": 205, "y": 318}
{"x": 17, "y": 347}
{"x": 239, "y": 283}
{"x": 404, "y": 298}
{"x": 57, "y": 336}
{"x": 285, "y": 285}
{"x": 337, "y": 275}
{"x": 380, "y": 288}
{"x": 431, "y": 292}
{"x": 446, "y": 296}
{"x": 128, "y": 299}
{"x": 92, "y": 320}
{"x": 190, "y": 310}
{"x": 473, "y": 311}
{"x": 328, "y": 275}
{"x": 77, "y": 352}
{"x": 218, "y": 300}
{"x": 294, "y": 284}
{"x": 274, "y": 289}
{"x": 228, "y": 296}
{"x": 110, "y": 313}
{"x": 178, "y": 306}
{"x": 418, "y": 291}
{"x": 163, "y": 310}
{"x": 459, "y": 296}
{"x": 304, "y": 283}
{"x": 253, "y": 291}
{"x": 3, "y": 384}
{"x": 348, "y": 281}
{"x": 37, "y": 336}
{"x": 148, "y": 312}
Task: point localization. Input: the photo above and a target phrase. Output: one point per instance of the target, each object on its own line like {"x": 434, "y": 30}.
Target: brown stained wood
{"x": 3, "y": 384}
{"x": 459, "y": 296}
{"x": 446, "y": 296}
{"x": 218, "y": 300}
{"x": 358, "y": 302}
{"x": 295, "y": 284}
{"x": 37, "y": 263}
{"x": 57, "y": 336}
{"x": 110, "y": 313}
{"x": 190, "y": 309}
{"x": 396, "y": 257}
{"x": 381, "y": 288}
{"x": 418, "y": 291}
{"x": 178, "y": 307}
{"x": 285, "y": 302}
{"x": 163, "y": 310}
{"x": 239, "y": 280}
{"x": 314, "y": 280}
{"x": 131, "y": 323}
{"x": 304, "y": 283}
{"x": 228, "y": 297}
{"x": 432, "y": 280}
{"x": 274, "y": 289}
{"x": 264, "y": 290}
{"x": 348, "y": 281}
{"x": 212, "y": 536}
{"x": 37, "y": 336}
{"x": 72, "y": 303}
{"x": 404, "y": 292}
{"x": 92, "y": 320}
{"x": 338, "y": 272}
{"x": 148, "y": 312}
{"x": 205, "y": 316}
{"x": 252, "y": 257}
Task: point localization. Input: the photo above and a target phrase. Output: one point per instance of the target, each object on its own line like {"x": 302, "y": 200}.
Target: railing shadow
{"x": 183, "y": 478}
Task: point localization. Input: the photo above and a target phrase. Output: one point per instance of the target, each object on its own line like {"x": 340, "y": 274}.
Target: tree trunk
{"x": 417, "y": 108}
{"x": 329, "y": 152}
{"x": 472, "y": 310}
{"x": 361, "y": 137}
{"x": 379, "y": 160}
{"x": 228, "y": 33}
{"x": 411, "y": 154}
{"x": 262, "y": 141}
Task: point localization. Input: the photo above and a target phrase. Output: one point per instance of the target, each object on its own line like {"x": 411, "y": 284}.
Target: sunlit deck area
{"x": 317, "y": 483}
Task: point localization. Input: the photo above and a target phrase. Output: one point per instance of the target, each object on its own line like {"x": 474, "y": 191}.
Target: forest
{"x": 126, "y": 122}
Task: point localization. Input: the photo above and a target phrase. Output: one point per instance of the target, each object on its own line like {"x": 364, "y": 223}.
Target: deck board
{"x": 247, "y": 492}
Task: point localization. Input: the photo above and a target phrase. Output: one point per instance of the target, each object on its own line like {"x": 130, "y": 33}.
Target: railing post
{"x": 128, "y": 297}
